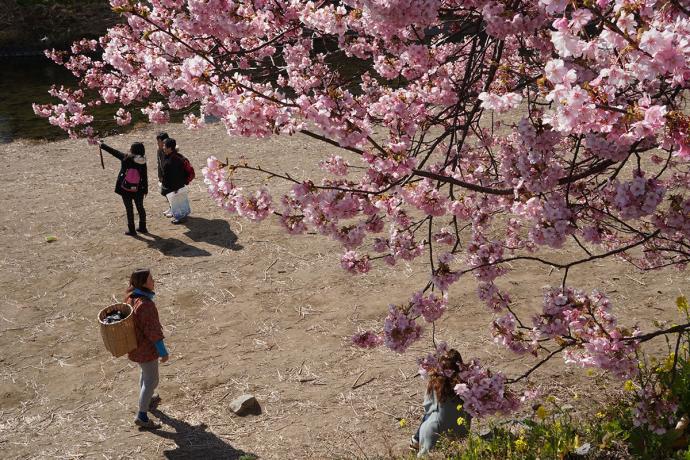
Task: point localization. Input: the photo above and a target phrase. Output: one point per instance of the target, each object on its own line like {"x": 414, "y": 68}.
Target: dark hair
{"x": 162, "y": 136}
{"x": 137, "y": 149}
{"x": 443, "y": 384}
{"x": 137, "y": 279}
{"x": 170, "y": 143}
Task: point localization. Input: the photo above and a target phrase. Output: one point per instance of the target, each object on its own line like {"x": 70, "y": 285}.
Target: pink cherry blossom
{"x": 367, "y": 339}
{"x": 418, "y": 165}
{"x": 399, "y": 330}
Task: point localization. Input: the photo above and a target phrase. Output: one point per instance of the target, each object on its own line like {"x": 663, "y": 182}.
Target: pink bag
{"x": 130, "y": 183}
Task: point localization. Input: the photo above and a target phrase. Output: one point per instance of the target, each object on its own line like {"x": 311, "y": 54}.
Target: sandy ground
{"x": 246, "y": 309}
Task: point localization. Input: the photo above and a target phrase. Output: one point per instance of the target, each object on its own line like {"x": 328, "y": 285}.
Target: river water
{"x": 23, "y": 81}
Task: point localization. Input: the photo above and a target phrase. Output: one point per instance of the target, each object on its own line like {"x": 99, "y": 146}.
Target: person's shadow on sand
{"x": 172, "y": 246}
{"x": 194, "y": 441}
{"x": 216, "y": 232}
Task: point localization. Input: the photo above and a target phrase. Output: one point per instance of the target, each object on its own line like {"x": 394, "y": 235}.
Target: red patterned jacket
{"x": 148, "y": 328}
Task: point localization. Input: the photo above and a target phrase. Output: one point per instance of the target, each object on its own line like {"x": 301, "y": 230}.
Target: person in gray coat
{"x": 443, "y": 412}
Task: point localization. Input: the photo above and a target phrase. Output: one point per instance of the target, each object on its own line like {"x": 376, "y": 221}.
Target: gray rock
{"x": 245, "y": 405}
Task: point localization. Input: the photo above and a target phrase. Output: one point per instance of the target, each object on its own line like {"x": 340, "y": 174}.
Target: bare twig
{"x": 357, "y": 379}
{"x": 268, "y": 268}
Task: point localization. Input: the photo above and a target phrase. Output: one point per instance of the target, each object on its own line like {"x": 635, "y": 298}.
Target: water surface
{"x": 24, "y": 80}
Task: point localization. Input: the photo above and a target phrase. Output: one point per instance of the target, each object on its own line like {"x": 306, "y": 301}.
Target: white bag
{"x": 179, "y": 203}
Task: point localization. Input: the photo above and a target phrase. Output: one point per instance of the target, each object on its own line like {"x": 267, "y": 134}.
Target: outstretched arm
{"x": 116, "y": 153}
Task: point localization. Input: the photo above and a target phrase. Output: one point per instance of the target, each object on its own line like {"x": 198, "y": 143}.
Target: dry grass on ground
{"x": 246, "y": 308}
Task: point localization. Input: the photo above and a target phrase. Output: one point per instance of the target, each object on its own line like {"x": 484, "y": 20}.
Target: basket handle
{"x": 135, "y": 302}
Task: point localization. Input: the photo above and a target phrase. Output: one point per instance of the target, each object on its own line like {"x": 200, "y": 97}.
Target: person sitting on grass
{"x": 443, "y": 413}
{"x": 150, "y": 346}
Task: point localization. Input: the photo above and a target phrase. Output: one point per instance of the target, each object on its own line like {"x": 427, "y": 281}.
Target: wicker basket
{"x": 119, "y": 338}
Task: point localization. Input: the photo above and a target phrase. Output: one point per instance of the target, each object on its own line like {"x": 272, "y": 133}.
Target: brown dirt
{"x": 246, "y": 309}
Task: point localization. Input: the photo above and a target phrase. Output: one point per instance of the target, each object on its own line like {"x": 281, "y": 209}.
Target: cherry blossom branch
{"x": 650, "y": 335}
{"x": 539, "y": 364}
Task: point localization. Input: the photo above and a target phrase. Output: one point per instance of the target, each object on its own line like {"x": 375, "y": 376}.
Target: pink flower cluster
{"x": 429, "y": 364}
{"x": 498, "y": 103}
{"x": 354, "y": 263}
{"x": 506, "y": 334}
{"x": 639, "y": 197}
{"x": 431, "y": 307}
{"x": 587, "y": 323}
{"x": 366, "y": 339}
{"x": 403, "y": 95}
{"x": 484, "y": 257}
{"x": 443, "y": 276}
{"x": 336, "y": 165}
{"x": 226, "y": 195}
{"x": 484, "y": 392}
{"x": 426, "y": 197}
{"x": 654, "y": 410}
{"x": 552, "y": 220}
{"x": 528, "y": 158}
{"x": 399, "y": 331}
{"x": 495, "y": 299}
{"x": 400, "y": 245}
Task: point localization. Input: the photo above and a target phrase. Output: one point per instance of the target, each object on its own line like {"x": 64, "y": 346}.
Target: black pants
{"x": 139, "y": 202}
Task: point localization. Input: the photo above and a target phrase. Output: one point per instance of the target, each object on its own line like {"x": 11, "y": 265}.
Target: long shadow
{"x": 212, "y": 231}
{"x": 173, "y": 247}
{"x": 194, "y": 442}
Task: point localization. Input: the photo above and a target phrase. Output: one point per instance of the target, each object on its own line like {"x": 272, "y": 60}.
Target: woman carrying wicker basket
{"x": 150, "y": 344}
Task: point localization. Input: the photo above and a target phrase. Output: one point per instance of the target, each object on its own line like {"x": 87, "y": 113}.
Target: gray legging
{"x": 148, "y": 383}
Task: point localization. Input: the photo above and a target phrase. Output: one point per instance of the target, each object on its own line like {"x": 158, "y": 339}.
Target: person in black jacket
{"x": 132, "y": 183}
{"x": 174, "y": 173}
{"x": 160, "y": 157}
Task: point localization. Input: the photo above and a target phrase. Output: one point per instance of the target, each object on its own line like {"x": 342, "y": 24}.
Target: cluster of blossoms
{"x": 226, "y": 195}
{"x": 443, "y": 276}
{"x": 507, "y": 335}
{"x": 367, "y": 339}
{"x": 587, "y": 323}
{"x": 354, "y": 263}
{"x": 426, "y": 197}
{"x": 639, "y": 197}
{"x": 484, "y": 392}
{"x": 552, "y": 220}
{"x": 399, "y": 330}
{"x": 422, "y": 160}
{"x": 528, "y": 158}
{"x": 431, "y": 307}
{"x": 654, "y": 409}
{"x": 336, "y": 165}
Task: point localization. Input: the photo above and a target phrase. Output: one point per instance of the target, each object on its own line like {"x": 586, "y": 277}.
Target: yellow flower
{"x": 520, "y": 444}
{"x": 551, "y": 399}
{"x": 459, "y": 408}
{"x": 460, "y": 421}
{"x": 542, "y": 412}
{"x": 402, "y": 423}
{"x": 629, "y": 385}
{"x": 590, "y": 373}
{"x": 600, "y": 415}
{"x": 668, "y": 363}
{"x": 682, "y": 304}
